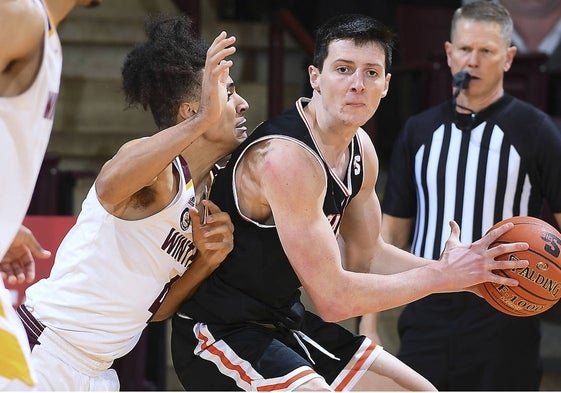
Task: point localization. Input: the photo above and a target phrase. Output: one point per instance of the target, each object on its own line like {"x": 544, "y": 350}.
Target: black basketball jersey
{"x": 477, "y": 170}
{"x": 256, "y": 281}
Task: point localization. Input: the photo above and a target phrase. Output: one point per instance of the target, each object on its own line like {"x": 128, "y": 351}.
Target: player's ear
{"x": 315, "y": 75}
{"x": 187, "y": 109}
{"x": 386, "y": 84}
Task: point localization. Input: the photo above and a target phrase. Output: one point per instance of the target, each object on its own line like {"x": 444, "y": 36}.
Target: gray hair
{"x": 485, "y": 11}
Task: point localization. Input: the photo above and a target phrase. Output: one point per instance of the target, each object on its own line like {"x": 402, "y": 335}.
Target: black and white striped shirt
{"x": 504, "y": 164}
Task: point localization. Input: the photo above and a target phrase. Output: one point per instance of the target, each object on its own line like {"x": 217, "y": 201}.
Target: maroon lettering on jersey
{"x": 51, "y": 105}
{"x": 179, "y": 247}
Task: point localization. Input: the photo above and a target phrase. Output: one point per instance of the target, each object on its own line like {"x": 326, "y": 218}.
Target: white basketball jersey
{"x": 26, "y": 121}
{"x": 110, "y": 275}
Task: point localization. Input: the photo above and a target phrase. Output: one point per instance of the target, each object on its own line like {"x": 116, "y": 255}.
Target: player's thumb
{"x": 37, "y": 249}
{"x": 455, "y": 231}
{"x": 195, "y": 217}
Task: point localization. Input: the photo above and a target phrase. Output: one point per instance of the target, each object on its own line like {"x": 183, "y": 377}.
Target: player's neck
{"x": 331, "y": 142}
{"x": 333, "y": 135}
{"x": 200, "y": 161}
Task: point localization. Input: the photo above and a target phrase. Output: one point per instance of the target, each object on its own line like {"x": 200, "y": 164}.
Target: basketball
{"x": 540, "y": 283}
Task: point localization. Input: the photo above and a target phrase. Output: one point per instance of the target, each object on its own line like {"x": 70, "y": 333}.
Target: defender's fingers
{"x": 212, "y": 207}
{"x": 196, "y": 219}
{"x": 8, "y": 274}
{"x": 217, "y": 246}
{"x": 220, "y": 220}
{"x": 221, "y": 47}
{"x": 222, "y": 229}
{"x": 17, "y": 275}
{"x": 36, "y": 248}
{"x": 30, "y": 273}
{"x": 215, "y": 60}
{"x": 222, "y": 40}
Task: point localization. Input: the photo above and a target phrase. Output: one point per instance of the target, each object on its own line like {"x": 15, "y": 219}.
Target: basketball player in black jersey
{"x": 489, "y": 158}
{"x": 298, "y": 182}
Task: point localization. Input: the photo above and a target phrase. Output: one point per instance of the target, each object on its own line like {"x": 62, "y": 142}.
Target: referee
{"x": 478, "y": 158}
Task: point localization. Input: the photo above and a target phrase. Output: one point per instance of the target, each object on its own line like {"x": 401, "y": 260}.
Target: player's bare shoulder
{"x": 22, "y": 28}
{"x": 282, "y": 158}
{"x": 248, "y": 179}
{"x": 273, "y": 169}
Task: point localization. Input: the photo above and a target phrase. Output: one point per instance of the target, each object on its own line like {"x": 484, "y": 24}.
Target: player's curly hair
{"x": 165, "y": 70}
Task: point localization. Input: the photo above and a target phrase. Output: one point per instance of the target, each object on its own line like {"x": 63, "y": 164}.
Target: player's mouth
{"x": 240, "y": 126}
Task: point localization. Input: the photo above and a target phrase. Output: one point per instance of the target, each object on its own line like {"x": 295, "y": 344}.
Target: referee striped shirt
{"x": 477, "y": 170}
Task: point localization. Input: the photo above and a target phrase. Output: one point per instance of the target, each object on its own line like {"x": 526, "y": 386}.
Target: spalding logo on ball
{"x": 540, "y": 283}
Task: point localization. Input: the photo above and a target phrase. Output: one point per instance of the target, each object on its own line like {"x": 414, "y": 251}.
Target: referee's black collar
{"x": 468, "y": 121}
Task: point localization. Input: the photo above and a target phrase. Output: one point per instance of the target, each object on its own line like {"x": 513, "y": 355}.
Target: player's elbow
{"x": 332, "y": 311}
{"x": 109, "y": 192}
{"x": 333, "y": 315}
{"x": 104, "y": 189}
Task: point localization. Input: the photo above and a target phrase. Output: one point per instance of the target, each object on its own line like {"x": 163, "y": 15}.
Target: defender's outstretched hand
{"x": 214, "y": 239}
{"x": 471, "y": 264}
{"x": 214, "y": 93}
{"x": 18, "y": 265}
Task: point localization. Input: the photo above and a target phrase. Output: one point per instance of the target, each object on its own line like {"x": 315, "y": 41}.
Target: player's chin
{"x": 357, "y": 118}
{"x": 240, "y": 134}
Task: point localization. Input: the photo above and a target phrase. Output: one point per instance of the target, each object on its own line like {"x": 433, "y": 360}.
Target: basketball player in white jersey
{"x": 30, "y": 69}
{"x": 139, "y": 229}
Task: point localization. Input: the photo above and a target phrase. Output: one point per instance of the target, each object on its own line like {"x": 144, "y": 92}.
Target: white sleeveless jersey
{"x": 26, "y": 121}
{"x": 110, "y": 275}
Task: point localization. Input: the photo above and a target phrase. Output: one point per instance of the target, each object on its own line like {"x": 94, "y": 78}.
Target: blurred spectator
{"x": 537, "y": 29}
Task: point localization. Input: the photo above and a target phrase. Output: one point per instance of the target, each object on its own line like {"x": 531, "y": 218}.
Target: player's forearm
{"x": 358, "y": 294}
{"x": 139, "y": 163}
{"x": 460, "y": 267}
{"x": 183, "y": 288}
{"x": 389, "y": 259}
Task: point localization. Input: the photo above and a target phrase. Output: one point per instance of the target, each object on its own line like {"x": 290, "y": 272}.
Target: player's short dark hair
{"x": 362, "y": 29}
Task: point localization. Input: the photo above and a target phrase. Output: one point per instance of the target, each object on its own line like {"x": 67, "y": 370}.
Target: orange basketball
{"x": 540, "y": 283}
